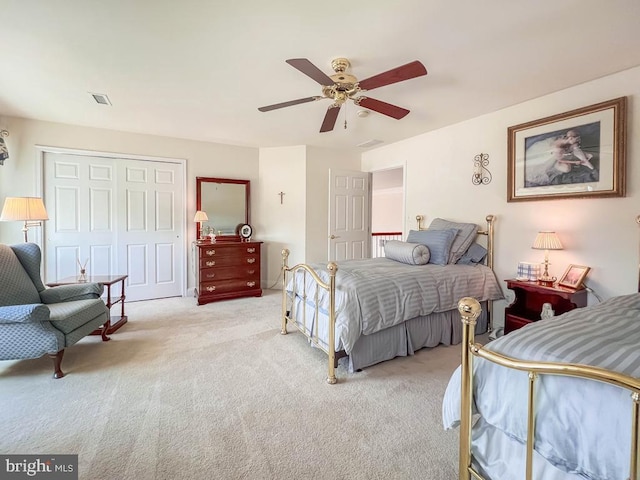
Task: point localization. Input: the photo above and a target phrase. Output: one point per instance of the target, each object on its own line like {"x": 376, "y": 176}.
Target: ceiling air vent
{"x": 369, "y": 143}
{"x": 101, "y": 98}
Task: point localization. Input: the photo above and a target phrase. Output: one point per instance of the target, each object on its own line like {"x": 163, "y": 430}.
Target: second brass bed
{"x": 526, "y": 414}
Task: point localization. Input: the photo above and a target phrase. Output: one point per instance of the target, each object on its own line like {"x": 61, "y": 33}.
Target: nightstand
{"x": 530, "y": 296}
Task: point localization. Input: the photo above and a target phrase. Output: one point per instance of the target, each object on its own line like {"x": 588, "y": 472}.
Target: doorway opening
{"x": 387, "y": 208}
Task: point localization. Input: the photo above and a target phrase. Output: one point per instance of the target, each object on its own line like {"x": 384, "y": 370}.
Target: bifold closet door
{"x": 122, "y": 216}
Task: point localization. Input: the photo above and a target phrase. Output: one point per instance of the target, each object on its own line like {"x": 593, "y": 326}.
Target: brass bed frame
{"x": 469, "y": 309}
{"x": 288, "y": 311}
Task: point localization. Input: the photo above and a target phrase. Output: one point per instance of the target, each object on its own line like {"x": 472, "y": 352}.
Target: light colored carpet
{"x": 215, "y": 392}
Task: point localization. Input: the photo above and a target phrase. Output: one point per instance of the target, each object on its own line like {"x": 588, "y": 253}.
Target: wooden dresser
{"x": 226, "y": 270}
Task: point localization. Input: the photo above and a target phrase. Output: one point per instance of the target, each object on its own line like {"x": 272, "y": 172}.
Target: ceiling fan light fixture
{"x": 343, "y": 86}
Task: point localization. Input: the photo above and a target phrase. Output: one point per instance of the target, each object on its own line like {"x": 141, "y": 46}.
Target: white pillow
{"x": 409, "y": 253}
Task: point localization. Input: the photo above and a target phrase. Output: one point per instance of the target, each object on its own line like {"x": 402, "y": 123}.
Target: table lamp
{"x": 547, "y": 241}
{"x": 29, "y": 209}
{"x": 200, "y": 217}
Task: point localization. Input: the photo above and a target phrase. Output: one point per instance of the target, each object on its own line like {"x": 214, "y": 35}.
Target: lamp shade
{"x": 23, "y": 208}
{"x": 200, "y": 216}
{"x": 547, "y": 241}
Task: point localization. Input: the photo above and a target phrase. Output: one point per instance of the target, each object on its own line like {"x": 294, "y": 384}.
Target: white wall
{"x": 600, "y": 233}
{"x": 20, "y": 175}
{"x": 386, "y": 208}
{"x": 387, "y": 200}
{"x": 300, "y": 223}
{"x": 280, "y": 226}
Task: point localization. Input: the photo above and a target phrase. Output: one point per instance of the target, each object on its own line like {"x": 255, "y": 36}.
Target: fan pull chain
{"x": 345, "y": 116}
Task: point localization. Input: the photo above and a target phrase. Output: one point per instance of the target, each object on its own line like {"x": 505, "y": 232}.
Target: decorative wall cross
{"x": 282, "y": 194}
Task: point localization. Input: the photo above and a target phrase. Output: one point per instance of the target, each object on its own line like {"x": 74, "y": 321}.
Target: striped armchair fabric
{"x": 36, "y": 320}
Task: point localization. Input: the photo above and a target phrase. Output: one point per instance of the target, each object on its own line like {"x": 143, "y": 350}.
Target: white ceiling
{"x": 200, "y": 69}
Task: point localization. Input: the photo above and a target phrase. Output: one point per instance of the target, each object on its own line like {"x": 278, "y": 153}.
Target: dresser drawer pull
{"x": 211, "y": 289}
{"x": 210, "y": 252}
{"x": 251, "y": 250}
{"x": 251, "y": 272}
{"x": 251, "y": 284}
{"x": 210, "y": 275}
{"x": 251, "y": 260}
{"x": 210, "y": 263}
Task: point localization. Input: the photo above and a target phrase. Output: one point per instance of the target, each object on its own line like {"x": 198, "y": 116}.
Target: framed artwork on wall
{"x": 576, "y": 154}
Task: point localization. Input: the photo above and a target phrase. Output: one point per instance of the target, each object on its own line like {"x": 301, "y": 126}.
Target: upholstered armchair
{"x": 36, "y": 320}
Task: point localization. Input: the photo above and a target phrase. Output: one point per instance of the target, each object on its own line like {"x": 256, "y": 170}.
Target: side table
{"x": 529, "y": 299}
{"x": 114, "y": 322}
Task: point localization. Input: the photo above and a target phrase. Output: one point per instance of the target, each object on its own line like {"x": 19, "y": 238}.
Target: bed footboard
{"x": 469, "y": 309}
{"x": 289, "y": 306}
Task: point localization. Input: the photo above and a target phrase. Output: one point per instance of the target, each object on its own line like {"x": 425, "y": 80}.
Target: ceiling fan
{"x": 343, "y": 86}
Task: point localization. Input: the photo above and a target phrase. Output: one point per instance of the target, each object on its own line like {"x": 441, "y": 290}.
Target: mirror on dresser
{"x": 226, "y": 203}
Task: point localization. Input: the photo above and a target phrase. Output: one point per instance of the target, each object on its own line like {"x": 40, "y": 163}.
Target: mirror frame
{"x": 247, "y": 198}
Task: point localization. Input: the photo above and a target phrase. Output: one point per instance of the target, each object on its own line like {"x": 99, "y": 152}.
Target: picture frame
{"x": 576, "y": 154}
{"x": 574, "y": 276}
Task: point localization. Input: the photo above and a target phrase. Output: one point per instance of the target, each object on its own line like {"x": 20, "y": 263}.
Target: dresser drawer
{"x": 211, "y": 262}
{"x": 248, "y": 272}
{"x": 235, "y": 285}
{"x": 228, "y": 251}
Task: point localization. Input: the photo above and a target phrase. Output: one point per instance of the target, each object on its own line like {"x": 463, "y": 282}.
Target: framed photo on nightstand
{"x": 574, "y": 276}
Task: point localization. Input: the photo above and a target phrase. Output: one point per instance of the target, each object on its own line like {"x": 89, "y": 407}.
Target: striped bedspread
{"x": 375, "y": 294}
{"x": 605, "y": 335}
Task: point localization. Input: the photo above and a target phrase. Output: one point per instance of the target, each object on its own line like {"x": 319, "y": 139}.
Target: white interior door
{"x": 122, "y": 216}
{"x": 349, "y": 221}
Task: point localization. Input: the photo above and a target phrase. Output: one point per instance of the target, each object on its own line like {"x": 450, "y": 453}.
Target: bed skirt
{"x": 408, "y": 337}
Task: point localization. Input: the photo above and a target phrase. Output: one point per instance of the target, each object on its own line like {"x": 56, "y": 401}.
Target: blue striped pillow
{"x": 466, "y": 235}
{"x": 437, "y": 241}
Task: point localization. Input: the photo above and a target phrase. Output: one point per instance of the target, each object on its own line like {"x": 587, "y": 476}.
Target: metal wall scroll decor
{"x": 481, "y": 175}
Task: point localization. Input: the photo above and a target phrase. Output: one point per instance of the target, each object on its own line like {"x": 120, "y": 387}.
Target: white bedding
{"x": 375, "y": 294}
{"x": 582, "y": 426}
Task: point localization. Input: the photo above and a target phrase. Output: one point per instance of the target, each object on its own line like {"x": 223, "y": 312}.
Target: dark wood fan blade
{"x": 330, "y": 118}
{"x": 382, "y": 107}
{"x": 309, "y": 69}
{"x": 399, "y": 74}
{"x": 288, "y": 104}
